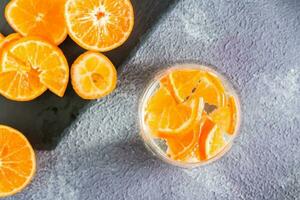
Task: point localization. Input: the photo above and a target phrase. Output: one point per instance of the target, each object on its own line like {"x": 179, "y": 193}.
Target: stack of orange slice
{"x": 177, "y": 114}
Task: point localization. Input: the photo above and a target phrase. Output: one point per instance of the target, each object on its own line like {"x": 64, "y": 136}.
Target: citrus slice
{"x": 165, "y": 81}
{"x": 99, "y": 25}
{"x": 7, "y": 40}
{"x": 17, "y": 161}
{"x": 1, "y": 36}
{"x": 211, "y": 140}
{"x": 181, "y": 147}
{"x": 184, "y": 82}
{"x": 226, "y": 117}
{"x": 38, "y": 18}
{"x": 30, "y": 66}
{"x": 166, "y": 118}
{"x": 93, "y": 75}
{"x": 211, "y": 89}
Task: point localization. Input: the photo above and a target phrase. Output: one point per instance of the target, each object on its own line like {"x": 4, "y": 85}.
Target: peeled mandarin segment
{"x": 39, "y": 65}
{"x": 39, "y": 18}
{"x": 211, "y": 89}
{"x": 93, "y": 75}
{"x": 99, "y": 25}
{"x": 184, "y": 82}
{"x": 17, "y": 161}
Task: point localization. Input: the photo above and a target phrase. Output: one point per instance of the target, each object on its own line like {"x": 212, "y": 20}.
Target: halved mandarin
{"x": 30, "y": 66}
{"x": 99, "y": 25}
{"x": 225, "y": 117}
{"x": 93, "y": 75}
{"x": 17, "y": 161}
{"x": 38, "y": 18}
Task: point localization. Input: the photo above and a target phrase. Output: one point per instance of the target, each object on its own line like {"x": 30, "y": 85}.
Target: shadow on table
{"x": 118, "y": 168}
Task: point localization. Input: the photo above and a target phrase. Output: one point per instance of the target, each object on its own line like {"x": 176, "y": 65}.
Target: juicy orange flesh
{"x": 38, "y": 18}
{"x": 168, "y": 118}
{"x": 8, "y": 40}
{"x": 211, "y": 89}
{"x": 225, "y": 116}
{"x": 170, "y": 107}
{"x": 205, "y": 130}
{"x": 93, "y": 75}
{"x": 30, "y": 66}
{"x": 181, "y": 147}
{"x": 184, "y": 82}
{"x": 99, "y": 24}
{"x": 17, "y": 163}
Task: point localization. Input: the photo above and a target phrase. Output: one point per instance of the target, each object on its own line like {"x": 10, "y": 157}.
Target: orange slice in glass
{"x": 30, "y": 66}
{"x": 99, "y": 25}
{"x": 226, "y": 117}
{"x": 93, "y": 75}
{"x": 211, "y": 89}
{"x": 181, "y": 147}
{"x": 184, "y": 82}
{"x": 166, "y": 118}
{"x": 211, "y": 141}
{"x": 17, "y": 161}
{"x": 38, "y": 18}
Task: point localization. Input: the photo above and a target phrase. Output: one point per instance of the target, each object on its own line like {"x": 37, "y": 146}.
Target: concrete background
{"x": 256, "y": 44}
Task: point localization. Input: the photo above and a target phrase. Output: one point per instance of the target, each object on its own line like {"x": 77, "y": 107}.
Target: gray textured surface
{"x": 257, "y": 45}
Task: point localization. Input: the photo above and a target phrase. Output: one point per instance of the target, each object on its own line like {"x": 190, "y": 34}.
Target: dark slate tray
{"x": 44, "y": 120}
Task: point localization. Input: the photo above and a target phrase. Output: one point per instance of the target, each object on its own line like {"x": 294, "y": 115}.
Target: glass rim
{"x": 146, "y": 135}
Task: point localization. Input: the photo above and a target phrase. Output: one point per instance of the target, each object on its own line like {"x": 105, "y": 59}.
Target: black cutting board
{"x": 44, "y": 120}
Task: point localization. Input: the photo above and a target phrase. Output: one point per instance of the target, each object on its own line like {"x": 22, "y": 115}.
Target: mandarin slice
{"x": 166, "y": 118}
{"x": 38, "y": 18}
{"x": 226, "y": 117}
{"x": 30, "y": 66}
{"x": 8, "y": 40}
{"x": 99, "y": 25}
{"x": 211, "y": 89}
{"x": 93, "y": 75}
{"x": 17, "y": 161}
{"x": 181, "y": 147}
{"x": 211, "y": 141}
{"x": 184, "y": 82}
